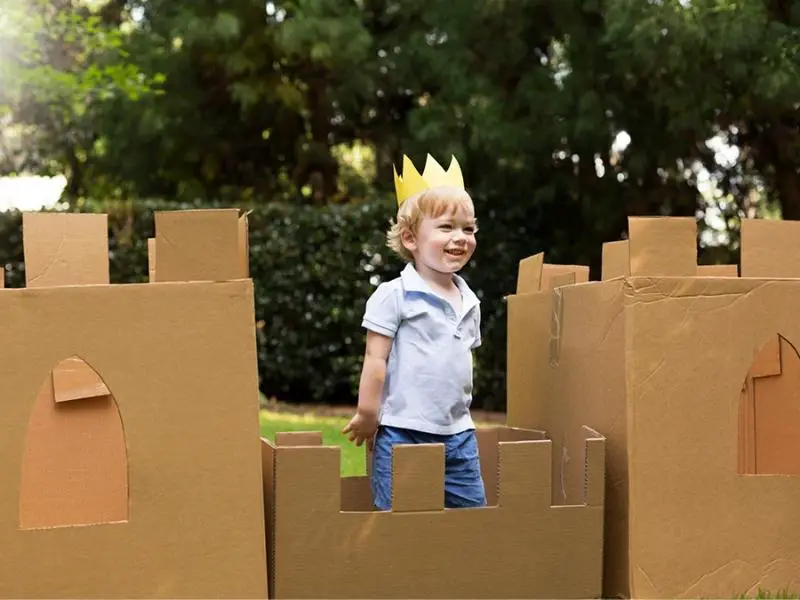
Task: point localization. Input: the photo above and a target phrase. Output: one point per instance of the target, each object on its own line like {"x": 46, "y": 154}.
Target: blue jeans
{"x": 463, "y": 483}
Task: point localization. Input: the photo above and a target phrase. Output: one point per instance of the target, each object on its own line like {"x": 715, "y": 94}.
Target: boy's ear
{"x": 409, "y": 240}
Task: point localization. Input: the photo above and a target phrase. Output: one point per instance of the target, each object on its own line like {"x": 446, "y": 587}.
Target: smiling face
{"x": 444, "y": 240}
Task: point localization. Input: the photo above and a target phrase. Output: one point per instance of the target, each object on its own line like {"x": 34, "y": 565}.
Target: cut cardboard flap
{"x": 65, "y": 249}
{"x": 201, "y": 245}
{"x": 417, "y": 477}
{"x": 770, "y": 248}
{"x": 73, "y": 379}
{"x": 616, "y": 260}
{"x": 663, "y": 246}
{"x": 554, "y": 276}
{"x": 529, "y": 275}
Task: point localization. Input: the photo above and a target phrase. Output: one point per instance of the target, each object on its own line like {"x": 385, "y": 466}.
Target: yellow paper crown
{"x": 411, "y": 182}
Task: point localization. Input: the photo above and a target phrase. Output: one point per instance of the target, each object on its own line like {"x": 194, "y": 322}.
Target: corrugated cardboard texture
{"x": 200, "y": 245}
{"x": 661, "y": 366}
{"x": 519, "y": 548}
{"x": 180, "y": 362}
{"x": 151, "y": 259}
{"x": 65, "y": 249}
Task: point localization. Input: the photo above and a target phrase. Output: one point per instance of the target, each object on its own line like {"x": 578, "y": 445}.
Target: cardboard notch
{"x": 75, "y": 466}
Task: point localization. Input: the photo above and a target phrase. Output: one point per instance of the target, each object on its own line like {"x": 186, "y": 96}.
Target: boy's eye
{"x": 446, "y": 226}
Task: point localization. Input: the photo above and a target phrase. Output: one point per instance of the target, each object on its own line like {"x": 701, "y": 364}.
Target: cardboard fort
{"x": 693, "y": 376}
{"x": 326, "y": 541}
{"x": 130, "y": 454}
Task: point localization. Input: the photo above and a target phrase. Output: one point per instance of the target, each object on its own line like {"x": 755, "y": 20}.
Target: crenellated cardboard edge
{"x": 72, "y": 249}
{"x": 667, "y": 247}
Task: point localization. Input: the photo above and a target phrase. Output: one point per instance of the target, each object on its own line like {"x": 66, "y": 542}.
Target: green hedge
{"x": 313, "y": 269}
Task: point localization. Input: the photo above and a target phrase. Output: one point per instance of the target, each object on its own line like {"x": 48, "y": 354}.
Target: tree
{"x": 59, "y": 65}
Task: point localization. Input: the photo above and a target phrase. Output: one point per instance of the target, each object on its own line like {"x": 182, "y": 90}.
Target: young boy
{"x": 416, "y": 381}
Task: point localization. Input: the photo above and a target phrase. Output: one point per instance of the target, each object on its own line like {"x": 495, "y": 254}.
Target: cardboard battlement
{"x": 193, "y": 245}
{"x": 691, "y": 373}
{"x": 130, "y": 454}
{"x": 520, "y": 546}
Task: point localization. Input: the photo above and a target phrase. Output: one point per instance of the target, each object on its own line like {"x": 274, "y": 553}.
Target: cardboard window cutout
{"x": 75, "y": 467}
{"x": 769, "y": 411}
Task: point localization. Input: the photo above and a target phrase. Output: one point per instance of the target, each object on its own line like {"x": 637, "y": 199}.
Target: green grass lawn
{"x": 353, "y": 458}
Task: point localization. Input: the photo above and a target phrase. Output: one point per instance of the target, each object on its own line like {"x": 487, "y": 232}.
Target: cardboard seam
{"x": 556, "y": 316}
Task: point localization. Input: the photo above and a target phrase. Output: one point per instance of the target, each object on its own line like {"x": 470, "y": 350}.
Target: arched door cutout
{"x": 769, "y": 411}
{"x": 75, "y": 465}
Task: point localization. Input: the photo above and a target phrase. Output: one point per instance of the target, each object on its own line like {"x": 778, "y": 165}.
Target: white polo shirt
{"x": 428, "y": 384}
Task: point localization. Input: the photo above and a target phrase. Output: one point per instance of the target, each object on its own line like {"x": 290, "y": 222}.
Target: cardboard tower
{"x": 130, "y": 454}
{"x": 692, "y": 375}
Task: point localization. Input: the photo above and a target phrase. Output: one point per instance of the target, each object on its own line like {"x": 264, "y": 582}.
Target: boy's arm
{"x": 373, "y": 374}
{"x": 364, "y": 424}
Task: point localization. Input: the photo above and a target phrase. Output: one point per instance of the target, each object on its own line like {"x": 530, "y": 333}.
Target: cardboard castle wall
{"x": 691, "y": 374}
{"x": 130, "y": 454}
{"x": 325, "y": 540}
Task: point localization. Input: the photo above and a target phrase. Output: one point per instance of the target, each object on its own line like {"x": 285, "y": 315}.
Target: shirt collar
{"x": 413, "y": 282}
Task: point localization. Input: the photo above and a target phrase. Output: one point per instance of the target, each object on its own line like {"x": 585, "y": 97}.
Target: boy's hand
{"x": 362, "y": 428}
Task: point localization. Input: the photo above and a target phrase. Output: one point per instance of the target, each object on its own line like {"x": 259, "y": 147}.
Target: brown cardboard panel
{"x": 663, "y": 246}
{"x": 616, "y": 260}
{"x": 298, "y": 438}
{"x": 73, "y": 379}
{"x": 717, "y": 271}
{"x": 557, "y": 275}
{"x": 417, "y": 477}
{"x": 521, "y": 548}
{"x": 180, "y": 361}
{"x": 529, "y": 277}
{"x": 65, "y": 249}
{"x": 770, "y": 248}
{"x": 726, "y": 530}
{"x": 74, "y": 468}
{"x": 586, "y": 385}
{"x": 151, "y": 258}
{"x": 199, "y": 245}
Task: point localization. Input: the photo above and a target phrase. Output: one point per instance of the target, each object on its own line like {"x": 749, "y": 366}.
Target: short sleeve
{"x": 382, "y": 313}
{"x": 477, "y": 342}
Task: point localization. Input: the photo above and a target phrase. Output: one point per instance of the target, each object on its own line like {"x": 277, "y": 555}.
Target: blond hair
{"x": 431, "y": 203}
